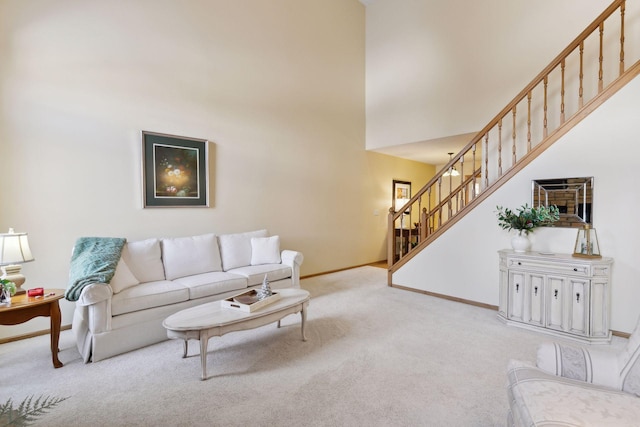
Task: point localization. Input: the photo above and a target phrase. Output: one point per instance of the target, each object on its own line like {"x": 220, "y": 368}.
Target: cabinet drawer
{"x": 568, "y": 268}
{"x": 601, "y": 271}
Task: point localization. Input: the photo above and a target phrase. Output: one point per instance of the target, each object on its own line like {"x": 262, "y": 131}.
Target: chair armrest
{"x": 93, "y": 312}
{"x": 94, "y": 293}
{"x": 290, "y": 257}
{"x": 595, "y": 366}
{"x": 294, "y": 260}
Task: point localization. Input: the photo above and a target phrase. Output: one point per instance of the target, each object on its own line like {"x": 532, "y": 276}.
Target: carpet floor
{"x": 375, "y": 356}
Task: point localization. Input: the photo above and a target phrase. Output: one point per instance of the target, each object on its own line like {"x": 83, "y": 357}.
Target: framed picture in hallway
{"x": 174, "y": 171}
{"x": 401, "y": 194}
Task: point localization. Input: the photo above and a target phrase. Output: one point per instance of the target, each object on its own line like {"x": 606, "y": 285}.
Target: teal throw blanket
{"x": 94, "y": 260}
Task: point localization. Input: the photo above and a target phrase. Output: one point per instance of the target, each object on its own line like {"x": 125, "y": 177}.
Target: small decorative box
{"x": 35, "y": 292}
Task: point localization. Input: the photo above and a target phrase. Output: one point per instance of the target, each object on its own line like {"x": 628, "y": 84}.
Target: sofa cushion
{"x": 265, "y": 250}
{"x": 123, "y": 278}
{"x": 235, "y": 249}
{"x": 217, "y": 282}
{"x": 144, "y": 259}
{"x": 255, "y": 273}
{"x": 186, "y": 256}
{"x": 148, "y": 295}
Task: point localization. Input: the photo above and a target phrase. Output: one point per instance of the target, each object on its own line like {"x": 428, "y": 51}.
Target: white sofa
{"x": 155, "y": 278}
{"x": 577, "y": 386}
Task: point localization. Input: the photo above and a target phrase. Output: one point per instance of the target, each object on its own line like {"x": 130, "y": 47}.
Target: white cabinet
{"x": 557, "y": 294}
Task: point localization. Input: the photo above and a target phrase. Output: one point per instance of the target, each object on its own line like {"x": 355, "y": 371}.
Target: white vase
{"x": 520, "y": 242}
{"x": 5, "y": 297}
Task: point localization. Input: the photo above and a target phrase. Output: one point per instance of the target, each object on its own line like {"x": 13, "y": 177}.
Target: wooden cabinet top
{"x": 554, "y": 257}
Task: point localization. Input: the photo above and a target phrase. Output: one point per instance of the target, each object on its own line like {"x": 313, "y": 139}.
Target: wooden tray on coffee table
{"x": 248, "y": 301}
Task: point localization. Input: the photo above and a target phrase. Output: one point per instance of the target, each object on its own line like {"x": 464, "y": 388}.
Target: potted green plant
{"x": 525, "y": 220}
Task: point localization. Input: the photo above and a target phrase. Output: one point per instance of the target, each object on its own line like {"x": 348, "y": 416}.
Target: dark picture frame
{"x": 175, "y": 171}
{"x": 401, "y": 191}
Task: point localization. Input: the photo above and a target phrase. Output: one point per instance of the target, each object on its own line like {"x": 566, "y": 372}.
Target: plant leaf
{"x": 28, "y": 411}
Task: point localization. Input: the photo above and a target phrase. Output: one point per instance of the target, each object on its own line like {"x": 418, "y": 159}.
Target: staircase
{"x": 583, "y": 76}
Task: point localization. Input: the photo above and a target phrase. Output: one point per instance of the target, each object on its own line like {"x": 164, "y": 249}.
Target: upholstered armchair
{"x": 600, "y": 366}
{"x": 576, "y": 386}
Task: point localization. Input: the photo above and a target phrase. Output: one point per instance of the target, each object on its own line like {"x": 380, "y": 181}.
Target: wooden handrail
{"x": 434, "y": 215}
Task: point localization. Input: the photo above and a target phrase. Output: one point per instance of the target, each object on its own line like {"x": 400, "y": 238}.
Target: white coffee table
{"x": 212, "y": 320}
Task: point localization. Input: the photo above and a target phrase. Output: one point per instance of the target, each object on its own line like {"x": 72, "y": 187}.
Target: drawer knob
{"x": 519, "y": 263}
{"x": 575, "y": 268}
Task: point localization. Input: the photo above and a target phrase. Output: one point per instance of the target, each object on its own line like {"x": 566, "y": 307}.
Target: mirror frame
{"x": 572, "y": 196}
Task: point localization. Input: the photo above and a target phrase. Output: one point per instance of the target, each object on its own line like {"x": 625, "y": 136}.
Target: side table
{"x": 25, "y": 308}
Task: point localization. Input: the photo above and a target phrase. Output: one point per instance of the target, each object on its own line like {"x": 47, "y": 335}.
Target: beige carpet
{"x": 375, "y": 356}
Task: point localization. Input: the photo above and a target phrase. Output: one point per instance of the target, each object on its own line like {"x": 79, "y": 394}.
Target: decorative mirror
{"x": 572, "y": 196}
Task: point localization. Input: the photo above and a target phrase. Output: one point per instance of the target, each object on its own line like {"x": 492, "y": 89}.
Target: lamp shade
{"x": 452, "y": 171}
{"x": 14, "y": 248}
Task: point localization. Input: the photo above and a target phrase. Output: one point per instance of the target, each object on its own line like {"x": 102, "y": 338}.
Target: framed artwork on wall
{"x": 174, "y": 171}
{"x": 401, "y": 194}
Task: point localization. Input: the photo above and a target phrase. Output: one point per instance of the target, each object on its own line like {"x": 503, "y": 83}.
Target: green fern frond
{"x": 28, "y": 411}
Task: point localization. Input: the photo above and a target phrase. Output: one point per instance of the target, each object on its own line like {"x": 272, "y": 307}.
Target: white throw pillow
{"x": 235, "y": 249}
{"x": 144, "y": 259}
{"x": 186, "y": 256}
{"x": 265, "y": 250}
{"x": 123, "y": 278}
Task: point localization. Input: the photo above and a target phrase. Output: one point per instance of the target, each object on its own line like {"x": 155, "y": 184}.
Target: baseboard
{"x": 383, "y": 264}
{"x": 447, "y": 297}
{"x": 31, "y": 335}
{"x": 479, "y": 304}
{"x": 371, "y": 264}
{"x": 620, "y": 334}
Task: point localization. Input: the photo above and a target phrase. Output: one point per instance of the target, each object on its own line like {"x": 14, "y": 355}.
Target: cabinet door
{"x": 534, "y": 308}
{"x": 579, "y": 306}
{"x": 599, "y": 299}
{"x": 503, "y": 293}
{"x": 516, "y": 295}
{"x": 556, "y": 313}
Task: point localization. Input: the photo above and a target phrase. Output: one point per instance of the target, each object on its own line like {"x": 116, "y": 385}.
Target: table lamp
{"x": 14, "y": 250}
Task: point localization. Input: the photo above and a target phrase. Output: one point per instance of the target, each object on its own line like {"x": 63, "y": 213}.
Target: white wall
{"x": 440, "y": 68}
{"x": 276, "y": 86}
{"x": 464, "y": 263}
